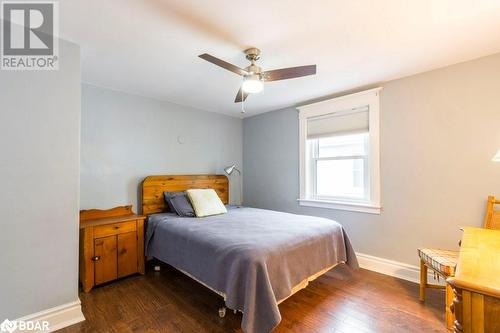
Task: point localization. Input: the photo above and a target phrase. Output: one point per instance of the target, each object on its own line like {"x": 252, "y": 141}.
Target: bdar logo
{"x": 8, "y": 326}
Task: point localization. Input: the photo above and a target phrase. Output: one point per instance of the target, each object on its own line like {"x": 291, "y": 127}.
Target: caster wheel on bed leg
{"x": 222, "y": 312}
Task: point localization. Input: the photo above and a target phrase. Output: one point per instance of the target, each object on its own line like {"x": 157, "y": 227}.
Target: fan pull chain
{"x": 242, "y": 99}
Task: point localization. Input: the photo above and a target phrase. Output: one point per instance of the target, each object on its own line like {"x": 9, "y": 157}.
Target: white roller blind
{"x": 339, "y": 123}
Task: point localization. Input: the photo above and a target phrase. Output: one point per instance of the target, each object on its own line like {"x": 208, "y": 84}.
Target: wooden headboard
{"x": 154, "y": 186}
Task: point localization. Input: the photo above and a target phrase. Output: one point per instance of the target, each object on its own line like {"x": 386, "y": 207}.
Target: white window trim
{"x": 370, "y": 98}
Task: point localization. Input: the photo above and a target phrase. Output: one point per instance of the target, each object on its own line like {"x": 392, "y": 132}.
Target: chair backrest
{"x": 492, "y": 219}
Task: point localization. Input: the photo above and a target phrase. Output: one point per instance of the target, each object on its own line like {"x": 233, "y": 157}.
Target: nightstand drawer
{"x": 114, "y": 229}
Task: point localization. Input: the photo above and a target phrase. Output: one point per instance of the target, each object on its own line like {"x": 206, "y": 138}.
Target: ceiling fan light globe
{"x": 252, "y": 84}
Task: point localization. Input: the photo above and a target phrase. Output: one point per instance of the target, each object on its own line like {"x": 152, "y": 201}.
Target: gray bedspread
{"x": 254, "y": 256}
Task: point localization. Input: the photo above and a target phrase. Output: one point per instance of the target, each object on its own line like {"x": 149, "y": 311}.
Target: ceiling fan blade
{"x": 240, "y": 96}
{"x": 223, "y": 64}
{"x": 289, "y": 73}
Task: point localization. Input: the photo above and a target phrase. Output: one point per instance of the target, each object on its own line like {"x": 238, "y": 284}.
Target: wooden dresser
{"x": 111, "y": 245}
{"x": 476, "y": 283}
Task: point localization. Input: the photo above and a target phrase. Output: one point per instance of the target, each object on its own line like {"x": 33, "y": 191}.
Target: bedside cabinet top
{"x": 94, "y": 217}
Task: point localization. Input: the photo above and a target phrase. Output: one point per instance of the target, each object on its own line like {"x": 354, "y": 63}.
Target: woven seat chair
{"x": 444, "y": 262}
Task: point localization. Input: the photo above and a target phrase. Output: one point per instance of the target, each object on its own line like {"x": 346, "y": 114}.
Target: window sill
{"x": 340, "y": 205}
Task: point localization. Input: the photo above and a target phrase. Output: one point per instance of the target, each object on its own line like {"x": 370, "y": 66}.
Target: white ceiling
{"x": 150, "y": 47}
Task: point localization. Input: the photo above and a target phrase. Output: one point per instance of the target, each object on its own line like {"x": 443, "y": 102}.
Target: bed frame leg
{"x": 222, "y": 312}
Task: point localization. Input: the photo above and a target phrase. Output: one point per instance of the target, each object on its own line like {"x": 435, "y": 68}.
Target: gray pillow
{"x": 167, "y": 195}
{"x": 180, "y": 203}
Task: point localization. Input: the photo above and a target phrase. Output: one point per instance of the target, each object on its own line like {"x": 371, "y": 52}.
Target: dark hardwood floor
{"x": 339, "y": 302}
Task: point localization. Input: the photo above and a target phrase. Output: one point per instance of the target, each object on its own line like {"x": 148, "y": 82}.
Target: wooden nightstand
{"x": 111, "y": 245}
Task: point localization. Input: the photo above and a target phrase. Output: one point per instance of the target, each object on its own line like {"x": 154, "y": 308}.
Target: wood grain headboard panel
{"x": 154, "y": 186}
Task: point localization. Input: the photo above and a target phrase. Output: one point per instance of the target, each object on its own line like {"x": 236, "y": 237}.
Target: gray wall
{"x": 39, "y": 175}
{"x": 439, "y": 131}
{"x": 126, "y": 138}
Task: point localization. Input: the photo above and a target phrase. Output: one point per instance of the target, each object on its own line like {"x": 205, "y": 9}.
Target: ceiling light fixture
{"x": 252, "y": 84}
{"x": 253, "y": 75}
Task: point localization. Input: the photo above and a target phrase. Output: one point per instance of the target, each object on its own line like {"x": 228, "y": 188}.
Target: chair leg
{"x": 423, "y": 280}
{"x": 450, "y": 317}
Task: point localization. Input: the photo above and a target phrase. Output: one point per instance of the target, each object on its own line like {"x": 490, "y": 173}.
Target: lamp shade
{"x": 496, "y": 158}
{"x": 229, "y": 170}
{"x": 252, "y": 84}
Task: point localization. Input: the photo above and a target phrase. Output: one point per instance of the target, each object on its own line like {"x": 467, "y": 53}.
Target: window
{"x": 339, "y": 167}
{"x": 339, "y": 152}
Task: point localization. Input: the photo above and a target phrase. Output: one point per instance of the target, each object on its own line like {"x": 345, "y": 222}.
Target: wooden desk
{"x": 476, "y": 283}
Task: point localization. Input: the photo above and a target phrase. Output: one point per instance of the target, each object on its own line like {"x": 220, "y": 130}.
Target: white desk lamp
{"x": 496, "y": 158}
{"x": 229, "y": 170}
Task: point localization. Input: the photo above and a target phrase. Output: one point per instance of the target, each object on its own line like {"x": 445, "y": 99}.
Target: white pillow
{"x": 206, "y": 202}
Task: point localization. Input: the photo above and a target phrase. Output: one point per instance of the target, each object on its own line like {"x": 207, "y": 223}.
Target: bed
{"x": 253, "y": 258}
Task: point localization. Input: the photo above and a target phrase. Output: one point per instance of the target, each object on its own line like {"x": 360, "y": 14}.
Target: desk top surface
{"x": 479, "y": 262}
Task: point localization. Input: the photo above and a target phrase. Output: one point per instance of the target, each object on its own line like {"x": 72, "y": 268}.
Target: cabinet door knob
{"x": 96, "y": 258}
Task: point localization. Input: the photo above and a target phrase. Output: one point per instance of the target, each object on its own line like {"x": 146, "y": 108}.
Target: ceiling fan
{"x": 253, "y": 75}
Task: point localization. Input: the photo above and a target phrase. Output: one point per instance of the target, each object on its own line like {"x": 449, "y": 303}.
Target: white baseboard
{"x": 394, "y": 268}
{"x": 58, "y": 317}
